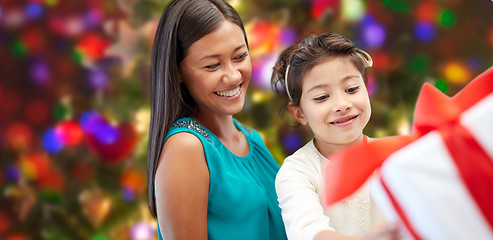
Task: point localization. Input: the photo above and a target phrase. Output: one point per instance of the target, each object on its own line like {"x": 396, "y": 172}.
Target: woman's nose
{"x": 232, "y": 73}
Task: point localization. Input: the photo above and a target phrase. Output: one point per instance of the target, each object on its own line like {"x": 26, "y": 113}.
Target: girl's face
{"x": 334, "y": 102}
{"x": 217, "y": 70}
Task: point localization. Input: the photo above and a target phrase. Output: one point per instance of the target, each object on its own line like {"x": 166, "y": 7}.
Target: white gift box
{"x": 420, "y": 184}
{"x": 437, "y": 182}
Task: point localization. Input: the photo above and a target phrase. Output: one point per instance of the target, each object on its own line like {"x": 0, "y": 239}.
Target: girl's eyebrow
{"x": 346, "y": 78}
{"x": 217, "y": 55}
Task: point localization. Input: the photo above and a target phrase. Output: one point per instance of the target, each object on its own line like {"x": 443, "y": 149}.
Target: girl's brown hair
{"x": 299, "y": 59}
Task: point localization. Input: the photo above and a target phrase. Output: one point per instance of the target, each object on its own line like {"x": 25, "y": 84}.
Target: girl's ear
{"x": 297, "y": 113}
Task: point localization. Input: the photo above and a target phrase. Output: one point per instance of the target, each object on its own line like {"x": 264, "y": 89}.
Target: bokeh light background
{"x": 75, "y": 97}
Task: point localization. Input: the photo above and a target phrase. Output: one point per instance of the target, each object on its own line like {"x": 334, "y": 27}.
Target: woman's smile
{"x": 231, "y": 92}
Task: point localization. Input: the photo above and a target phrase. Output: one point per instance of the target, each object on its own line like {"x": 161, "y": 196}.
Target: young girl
{"x": 209, "y": 177}
{"x": 324, "y": 79}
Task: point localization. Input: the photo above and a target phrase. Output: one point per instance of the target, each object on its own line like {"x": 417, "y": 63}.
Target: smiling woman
{"x": 208, "y": 175}
{"x": 224, "y": 71}
{"x": 324, "y": 79}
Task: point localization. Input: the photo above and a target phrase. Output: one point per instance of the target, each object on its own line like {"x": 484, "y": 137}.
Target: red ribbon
{"x": 433, "y": 111}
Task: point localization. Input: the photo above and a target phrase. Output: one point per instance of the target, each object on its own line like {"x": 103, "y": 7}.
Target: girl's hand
{"x": 383, "y": 231}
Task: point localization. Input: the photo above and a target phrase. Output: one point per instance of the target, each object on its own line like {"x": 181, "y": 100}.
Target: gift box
{"x": 437, "y": 182}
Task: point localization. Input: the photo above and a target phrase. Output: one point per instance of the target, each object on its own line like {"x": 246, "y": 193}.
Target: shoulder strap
{"x": 194, "y": 126}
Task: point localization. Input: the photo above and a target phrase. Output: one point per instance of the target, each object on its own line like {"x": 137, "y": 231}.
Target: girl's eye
{"x": 242, "y": 56}
{"x": 321, "y": 98}
{"x": 352, "y": 90}
{"x": 212, "y": 67}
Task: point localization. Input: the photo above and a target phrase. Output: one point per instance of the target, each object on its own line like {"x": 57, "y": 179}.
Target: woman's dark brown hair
{"x": 182, "y": 23}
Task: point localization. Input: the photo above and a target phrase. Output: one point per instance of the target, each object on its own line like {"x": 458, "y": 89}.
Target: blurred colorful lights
{"x": 291, "y": 142}
{"x": 321, "y": 7}
{"x": 288, "y": 36}
{"x": 92, "y": 46}
{"x": 374, "y": 35}
{"x": 52, "y": 142}
{"x": 127, "y": 194}
{"x": 62, "y": 110}
{"x": 352, "y": 10}
{"x": 87, "y": 117}
{"x": 133, "y": 180}
{"x": 491, "y": 36}
{"x": 36, "y": 111}
{"x": 34, "y": 40}
{"x": 51, "y": 2}
{"x": 441, "y": 85}
{"x": 93, "y": 17}
{"x": 265, "y": 67}
{"x": 420, "y": 64}
{"x": 427, "y": 11}
{"x": 12, "y": 173}
{"x": 14, "y": 18}
{"x": 66, "y": 133}
{"x": 447, "y": 18}
{"x": 142, "y": 231}
{"x": 34, "y": 10}
{"x": 371, "y": 85}
{"x": 424, "y": 31}
{"x": 40, "y": 72}
{"x": 98, "y": 79}
{"x": 104, "y": 132}
{"x": 19, "y": 135}
{"x": 456, "y": 73}
{"x": 474, "y": 63}
{"x": 5, "y": 222}
{"x": 69, "y": 132}
{"x": 399, "y": 6}
{"x": 19, "y": 48}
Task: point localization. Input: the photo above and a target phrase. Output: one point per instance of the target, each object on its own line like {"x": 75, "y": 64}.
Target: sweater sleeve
{"x": 297, "y": 184}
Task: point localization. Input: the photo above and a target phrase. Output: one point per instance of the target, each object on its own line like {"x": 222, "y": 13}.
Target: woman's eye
{"x": 352, "y": 90}
{"x": 212, "y": 67}
{"x": 241, "y": 56}
{"x": 321, "y": 98}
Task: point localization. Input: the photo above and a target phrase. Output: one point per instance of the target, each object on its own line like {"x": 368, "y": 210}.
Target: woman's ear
{"x": 297, "y": 113}
{"x": 180, "y": 80}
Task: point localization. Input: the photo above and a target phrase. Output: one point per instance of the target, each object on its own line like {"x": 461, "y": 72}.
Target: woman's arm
{"x": 182, "y": 188}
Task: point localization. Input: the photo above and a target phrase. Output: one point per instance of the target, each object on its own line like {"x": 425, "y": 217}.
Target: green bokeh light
{"x": 62, "y": 111}
{"x": 99, "y": 237}
{"x": 77, "y": 56}
{"x": 19, "y": 48}
{"x": 397, "y": 6}
{"x": 441, "y": 85}
{"x": 447, "y": 18}
{"x": 419, "y": 64}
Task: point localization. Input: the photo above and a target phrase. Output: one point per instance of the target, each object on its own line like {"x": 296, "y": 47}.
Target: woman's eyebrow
{"x": 217, "y": 55}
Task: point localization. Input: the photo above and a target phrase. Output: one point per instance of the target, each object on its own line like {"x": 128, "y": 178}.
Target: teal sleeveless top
{"x": 242, "y": 198}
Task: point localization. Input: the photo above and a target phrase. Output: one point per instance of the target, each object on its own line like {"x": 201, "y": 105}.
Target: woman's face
{"x": 334, "y": 102}
{"x": 217, "y": 70}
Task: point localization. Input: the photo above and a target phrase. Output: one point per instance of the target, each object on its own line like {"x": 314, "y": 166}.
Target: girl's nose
{"x": 341, "y": 103}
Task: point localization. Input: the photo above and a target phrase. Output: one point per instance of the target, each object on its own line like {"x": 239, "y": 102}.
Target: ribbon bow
{"x": 434, "y": 111}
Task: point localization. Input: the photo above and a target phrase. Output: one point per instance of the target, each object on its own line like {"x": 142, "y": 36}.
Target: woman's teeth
{"x": 230, "y": 93}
